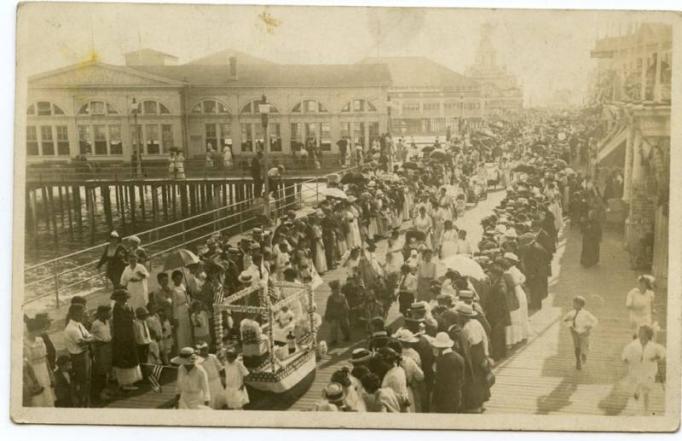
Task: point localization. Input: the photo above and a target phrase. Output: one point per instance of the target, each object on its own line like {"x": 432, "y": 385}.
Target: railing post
{"x": 56, "y": 286}
{"x": 183, "y": 230}
{"x": 317, "y": 193}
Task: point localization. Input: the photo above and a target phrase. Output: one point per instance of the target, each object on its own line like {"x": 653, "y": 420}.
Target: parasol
{"x": 334, "y": 192}
{"x": 419, "y": 235}
{"x": 438, "y": 155}
{"x": 428, "y": 149}
{"x": 179, "y": 259}
{"x": 464, "y": 265}
{"x": 353, "y": 178}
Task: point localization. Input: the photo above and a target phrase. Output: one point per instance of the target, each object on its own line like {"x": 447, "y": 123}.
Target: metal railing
{"x": 232, "y": 219}
{"x": 159, "y": 169}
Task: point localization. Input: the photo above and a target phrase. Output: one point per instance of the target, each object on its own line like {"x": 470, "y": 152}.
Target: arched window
{"x": 359, "y": 105}
{"x": 44, "y": 108}
{"x": 252, "y": 107}
{"x": 309, "y": 106}
{"x": 150, "y": 107}
{"x": 210, "y": 107}
{"x": 97, "y": 108}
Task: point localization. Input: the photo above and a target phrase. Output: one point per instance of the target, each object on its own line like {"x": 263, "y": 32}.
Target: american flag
{"x": 154, "y": 377}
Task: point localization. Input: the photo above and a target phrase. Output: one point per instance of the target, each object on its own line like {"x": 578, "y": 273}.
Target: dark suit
{"x": 497, "y": 313}
{"x": 423, "y": 348}
{"x": 448, "y": 384}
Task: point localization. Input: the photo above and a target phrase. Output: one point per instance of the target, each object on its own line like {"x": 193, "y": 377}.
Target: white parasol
{"x": 334, "y": 192}
{"x": 464, "y": 265}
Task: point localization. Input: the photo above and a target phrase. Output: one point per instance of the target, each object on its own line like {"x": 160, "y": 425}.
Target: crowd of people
{"x": 463, "y": 304}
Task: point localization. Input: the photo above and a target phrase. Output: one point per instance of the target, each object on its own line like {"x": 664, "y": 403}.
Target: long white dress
{"x": 139, "y": 296}
{"x": 193, "y": 388}
{"x": 642, "y": 363}
{"x": 449, "y": 246}
{"x": 320, "y": 257}
{"x": 236, "y": 397}
{"x": 520, "y": 326}
{"x": 36, "y": 354}
{"x": 212, "y": 366}
{"x": 183, "y": 327}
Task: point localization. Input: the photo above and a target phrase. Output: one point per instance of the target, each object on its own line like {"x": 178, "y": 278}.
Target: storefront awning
{"x": 612, "y": 152}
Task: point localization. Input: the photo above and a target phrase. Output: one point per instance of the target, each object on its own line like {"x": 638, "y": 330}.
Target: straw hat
{"x": 464, "y": 309}
{"x": 511, "y": 256}
{"x": 186, "y": 356}
{"x": 405, "y": 336}
{"x": 442, "y": 341}
{"x": 333, "y": 392}
{"x": 245, "y": 278}
{"x": 120, "y": 293}
{"x": 360, "y": 355}
{"x": 465, "y": 294}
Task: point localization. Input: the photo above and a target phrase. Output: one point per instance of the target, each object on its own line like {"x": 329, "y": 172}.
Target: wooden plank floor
{"x": 541, "y": 378}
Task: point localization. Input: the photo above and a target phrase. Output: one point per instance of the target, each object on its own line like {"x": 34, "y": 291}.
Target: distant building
{"x": 91, "y": 108}
{"x": 500, "y": 91}
{"x": 632, "y": 93}
{"x": 427, "y": 98}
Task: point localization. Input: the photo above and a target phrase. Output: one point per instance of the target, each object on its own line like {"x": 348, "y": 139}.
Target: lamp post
{"x": 264, "y": 110}
{"x": 135, "y": 109}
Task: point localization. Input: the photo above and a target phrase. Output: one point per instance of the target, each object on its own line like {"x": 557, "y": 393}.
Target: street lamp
{"x": 264, "y": 110}
{"x": 135, "y": 109}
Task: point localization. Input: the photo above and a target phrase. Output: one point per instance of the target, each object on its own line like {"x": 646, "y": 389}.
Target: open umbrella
{"x": 428, "y": 149}
{"x": 464, "y": 265}
{"x": 334, "y": 192}
{"x": 438, "y": 155}
{"x": 180, "y": 259}
{"x": 353, "y": 178}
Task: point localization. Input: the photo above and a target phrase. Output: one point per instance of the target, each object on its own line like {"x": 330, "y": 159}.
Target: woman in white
{"x": 180, "y": 166}
{"x": 213, "y": 368}
{"x": 423, "y": 223}
{"x": 356, "y": 238}
{"x": 642, "y": 356}
{"x": 448, "y": 246}
{"x": 134, "y": 279}
{"x": 640, "y": 303}
{"x": 320, "y": 258}
{"x": 181, "y": 319}
{"x": 520, "y": 326}
{"x": 171, "y": 164}
{"x": 191, "y": 389}
{"x": 236, "y": 395}
{"x": 35, "y": 354}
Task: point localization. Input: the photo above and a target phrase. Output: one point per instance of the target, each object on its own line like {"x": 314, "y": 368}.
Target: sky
{"x": 546, "y": 50}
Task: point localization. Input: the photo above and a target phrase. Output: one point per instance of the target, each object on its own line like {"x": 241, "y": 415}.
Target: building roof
{"x": 276, "y": 75}
{"x": 420, "y": 72}
{"x": 223, "y": 58}
{"x": 147, "y": 52}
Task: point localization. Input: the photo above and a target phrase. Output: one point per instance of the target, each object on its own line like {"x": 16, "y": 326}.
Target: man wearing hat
{"x": 449, "y": 376}
{"x": 192, "y": 391}
{"x": 333, "y": 396}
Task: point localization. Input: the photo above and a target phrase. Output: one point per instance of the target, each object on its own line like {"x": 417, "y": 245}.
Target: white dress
{"x": 640, "y": 305}
{"x": 236, "y": 397}
{"x": 449, "y": 245}
{"x": 35, "y": 353}
{"x": 183, "y": 328}
{"x": 414, "y": 376}
{"x": 139, "y": 296}
{"x": 193, "y": 388}
{"x": 212, "y": 366}
{"x": 520, "y": 326}
{"x": 396, "y": 380}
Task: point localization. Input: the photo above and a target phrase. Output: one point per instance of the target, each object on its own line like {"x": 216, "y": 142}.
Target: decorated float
{"x": 277, "y": 328}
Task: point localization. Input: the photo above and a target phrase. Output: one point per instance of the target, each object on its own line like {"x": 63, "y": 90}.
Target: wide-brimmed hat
{"x": 114, "y": 234}
{"x": 511, "y": 256}
{"x": 245, "y": 277}
{"x": 120, "y": 293}
{"x": 186, "y": 356}
{"x": 334, "y": 392}
{"x": 442, "y": 341}
{"x": 464, "y": 309}
{"x": 405, "y": 335}
{"x": 201, "y": 345}
{"x": 141, "y": 312}
{"x": 360, "y": 355}
{"x": 134, "y": 239}
{"x": 465, "y": 294}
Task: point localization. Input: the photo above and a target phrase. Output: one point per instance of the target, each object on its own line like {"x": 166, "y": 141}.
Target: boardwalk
{"x": 541, "y": 378}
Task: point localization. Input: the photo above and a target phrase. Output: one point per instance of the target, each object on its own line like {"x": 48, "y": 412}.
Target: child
{"x": 63, "y": 386}
{"x": 215, "y": 371}
{"x": 236, "y": 396}
{"x": 153, "y": 322}
{"x": 200, "y": 323}
{"x": 580, "y": 321}
{"x": 143, "y": 337}
{"x": 166, "y": 342}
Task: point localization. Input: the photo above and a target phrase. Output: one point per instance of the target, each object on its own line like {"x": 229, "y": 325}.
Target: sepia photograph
{"x": 245, "y": 215}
